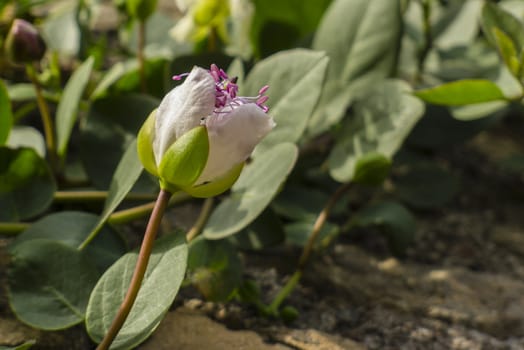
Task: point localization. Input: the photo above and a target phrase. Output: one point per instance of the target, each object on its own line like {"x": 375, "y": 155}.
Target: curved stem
{"x": 319, "y": 223}
{"x": 85, "y": 196}
{"x": 140, "y": 270}
{"x": 284, "y": 292}
{"x": 126, "y": 215}
{"x": 118, "y": 217}
{"x": 201, "y": 221}
{"x": 12, "y": 228}
{"x": 308, "y": 249}
{"x": 47, "y": 121}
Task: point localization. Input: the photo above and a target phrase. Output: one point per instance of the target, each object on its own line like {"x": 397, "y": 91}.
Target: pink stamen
{"x": 180, "y": 76}
{"x": 226, "y": 91}
{"x": 262, "y": 100}
{"x": 263, "y": 89}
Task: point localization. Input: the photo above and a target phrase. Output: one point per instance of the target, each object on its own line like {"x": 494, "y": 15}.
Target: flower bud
{"x": 201, "y": 134}
{"x": 23, "y": 43}
{"x": 141, "y": 9}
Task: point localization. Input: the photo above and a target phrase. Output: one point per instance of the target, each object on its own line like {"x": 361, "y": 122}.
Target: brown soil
{"x": 459, "y": 286}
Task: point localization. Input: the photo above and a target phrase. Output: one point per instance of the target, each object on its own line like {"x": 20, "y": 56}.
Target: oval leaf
{"x": 26, "y": 184}
{"x": 254, "y": 190}
{"x": 382, "y": 120}
{"x": 49, "y": 284}
{"x": 162, "y": 280}
{"x": 27, "y": 136}
{"x": 361, "y": 39}
{"x": 71, "y": 228}
{"x": 295, "y": 79}
{"x": 462, "y": 92}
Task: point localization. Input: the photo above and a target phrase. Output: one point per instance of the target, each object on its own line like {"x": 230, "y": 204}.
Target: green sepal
{"x": 371, "y": 169}
{"x": 145, "y": 144}
{"x": 184, "y": 160}
{"x": 216, "y": 186}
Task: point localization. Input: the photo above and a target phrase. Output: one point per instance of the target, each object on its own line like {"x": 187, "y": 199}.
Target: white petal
{"x": 182, "y": 109}
{"x": 232, "y": 138}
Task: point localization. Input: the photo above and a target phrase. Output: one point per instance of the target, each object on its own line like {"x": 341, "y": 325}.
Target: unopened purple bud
{"x": 23, "y": 43}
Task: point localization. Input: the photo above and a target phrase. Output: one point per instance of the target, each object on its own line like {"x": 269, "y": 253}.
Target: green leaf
{"x": 254, "y": 190}
{"x": 21, "y": 92}
{"x": 6, "y": 116}
{"x": 184, "y": 160}
{"x": 71, "y": 228}
{"x": 162, "y": 280}
{"x": 507, "y": 51}
{"x": 295, "y": 79}
{"x": 116, "y": 72}
{"x": 26, "y": 184}
{"x": 214, "y": 268}
{"x": 412, "y": 187}
{"x": 381, "y": 122}
{"x": 27, "y": 136}
{"x": 280, "y": 24}
{"x": 478, "y": 110}
{"x": 126, "y": 175}
{"x": 493, "y": 16}
{"x": 462, "y": 92}
{"x": 112, "y": 124}
{"x": 457, "y": 24}
{"x": 397, "y": 223}
{"x": 61, "y": 29}
{"x": 267, "y": 230}
{"x": 67, "y": 109}
{"x": 361, "y": 39}
{"x": 49, "y": 284}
